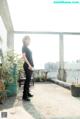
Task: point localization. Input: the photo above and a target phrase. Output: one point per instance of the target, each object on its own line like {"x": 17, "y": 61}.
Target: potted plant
{"x": 10, "y": 72}
{"x": 75, "y": 89}
{"x": 40, "y": 79}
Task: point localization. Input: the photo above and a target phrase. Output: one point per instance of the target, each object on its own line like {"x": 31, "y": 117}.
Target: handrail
{"x": 46, "y": 32}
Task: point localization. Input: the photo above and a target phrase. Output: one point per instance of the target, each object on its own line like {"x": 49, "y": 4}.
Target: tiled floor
{"x": 49, "y": 102}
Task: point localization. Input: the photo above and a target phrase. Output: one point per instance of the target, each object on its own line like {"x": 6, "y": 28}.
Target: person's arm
{"x": 26, "y": 60}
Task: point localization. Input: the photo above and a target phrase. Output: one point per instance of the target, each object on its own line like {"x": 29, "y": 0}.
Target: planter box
{"x": 11, "y": 89}
{"x": 75, "y": 90}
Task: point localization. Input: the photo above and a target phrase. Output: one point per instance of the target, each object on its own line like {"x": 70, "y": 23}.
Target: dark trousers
{"x": 28, "y": 73}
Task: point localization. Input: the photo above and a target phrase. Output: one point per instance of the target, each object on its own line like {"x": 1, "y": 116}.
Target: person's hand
{"x": 30, "y": 67}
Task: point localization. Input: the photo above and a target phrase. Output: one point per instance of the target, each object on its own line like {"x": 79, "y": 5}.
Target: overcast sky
{"x": 43, "y": 15}
{"x": 46, "y": 48}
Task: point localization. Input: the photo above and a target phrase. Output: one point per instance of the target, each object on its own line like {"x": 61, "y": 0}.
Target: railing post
{"x": 61, "y": 71}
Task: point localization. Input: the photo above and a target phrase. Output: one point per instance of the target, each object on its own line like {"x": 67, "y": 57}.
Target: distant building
{"x": 51, "y": 66}
{"x": 72, "y": 65}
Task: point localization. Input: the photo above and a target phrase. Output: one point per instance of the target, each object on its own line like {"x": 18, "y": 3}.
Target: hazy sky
{"x": 43, "y": 15}
{"x": 45, "y": 48}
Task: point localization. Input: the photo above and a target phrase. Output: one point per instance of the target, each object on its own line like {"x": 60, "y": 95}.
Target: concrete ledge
{"x": 61, "y": 83}
{"x": 65, "y": 118}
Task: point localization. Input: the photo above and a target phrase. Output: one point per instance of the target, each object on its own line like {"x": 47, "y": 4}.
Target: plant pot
{"x": 11, "y": 89}
{"x": 75, "y": 90}
{"x": 37, "y": 80}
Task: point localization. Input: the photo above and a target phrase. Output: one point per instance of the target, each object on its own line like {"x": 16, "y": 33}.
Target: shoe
{"x": 26, "y": 99}
{"x": 30, "y": 95}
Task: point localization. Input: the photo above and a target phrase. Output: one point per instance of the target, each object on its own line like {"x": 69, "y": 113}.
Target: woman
{"x": 28, "y": 67}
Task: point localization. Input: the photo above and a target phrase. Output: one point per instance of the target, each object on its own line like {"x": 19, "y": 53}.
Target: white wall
{"x": 3, "y": 36}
